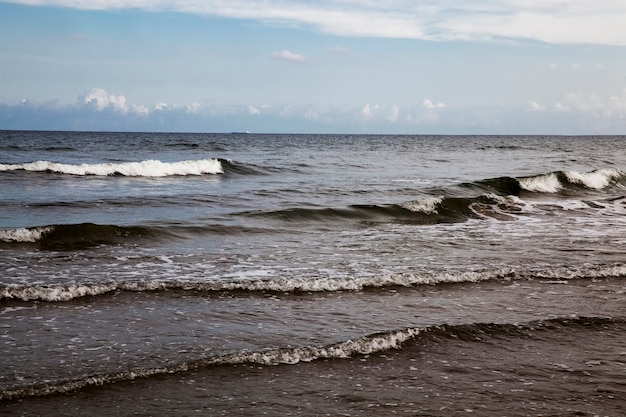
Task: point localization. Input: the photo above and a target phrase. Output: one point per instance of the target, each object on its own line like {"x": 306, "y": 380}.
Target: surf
{"x": 147, "y": 168}
{"x": 313, "y": 284}
{"x": 75, "y": 236}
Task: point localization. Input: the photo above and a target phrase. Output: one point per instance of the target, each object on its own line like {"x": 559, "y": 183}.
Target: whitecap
{"x": 542, "y": 184}
{"x": 426, "y": 205}
{"x": 148, "y": 168}
{"x": 54, "y": 293}
{"x": 24, "y": 235}
{"x": 595, "y": 179}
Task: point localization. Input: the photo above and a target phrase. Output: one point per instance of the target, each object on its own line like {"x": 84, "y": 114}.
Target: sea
{"x": 243, "y": 274}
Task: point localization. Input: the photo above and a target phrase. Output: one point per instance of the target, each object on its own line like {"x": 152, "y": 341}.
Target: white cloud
{"x": 103, "y": 100}
{"x": 311, "y": 114}
{"x": 574, "y": 113}
{"x": 393, "y": 115}
{"x": 551, "y": 21}
{"x": 193, "y": 107}
{"x": 286, "y": 111}
{"x": 366, "y": 111}
{"x": 584, "y": 102}
{"x": 560, "y": 107}
{"x": 534, "y": 106}
{"x": 429, "y": 104}
{"x": 610, "y": 107}
{"x": 140, "y": 109}
{"x": 596, "y": 105}
{"x": 286, "y": 55}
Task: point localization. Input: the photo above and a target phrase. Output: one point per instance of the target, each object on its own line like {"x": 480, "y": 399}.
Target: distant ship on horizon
{"x": 240, "y": 132}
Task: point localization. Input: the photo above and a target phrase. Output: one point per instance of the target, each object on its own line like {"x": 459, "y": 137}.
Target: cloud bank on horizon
{"x": 555, "y": 66}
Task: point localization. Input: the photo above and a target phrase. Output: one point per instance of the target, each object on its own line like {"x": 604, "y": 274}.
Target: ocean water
{"x": 243, "y": 274}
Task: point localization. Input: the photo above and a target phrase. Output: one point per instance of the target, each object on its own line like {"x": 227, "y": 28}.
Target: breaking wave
{"x": 500, "y": 200}
{"x": 427, "y": 205}
{"x": 75, "y": 236}
{"x": 59, "y": 293}
{"x": 87, "y": 235}
{"x": 541, "y": 184}
{"x": 554, "y": 182}
{"x": 148, "y": 168}
{"x": 596, "y": 180}
{"x": 25, "y": 235}
{"x": 313, "y": 284}
{"x": 429, "y": 210}
{"x": 365, "y": 345}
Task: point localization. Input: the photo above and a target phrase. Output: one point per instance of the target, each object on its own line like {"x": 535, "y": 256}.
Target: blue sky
{"x": 315, "y": 66}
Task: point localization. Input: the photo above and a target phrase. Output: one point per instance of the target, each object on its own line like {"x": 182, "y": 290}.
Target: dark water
{"x": 216, "y": 274}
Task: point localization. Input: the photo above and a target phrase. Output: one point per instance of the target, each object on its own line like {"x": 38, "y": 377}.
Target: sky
{"x": 315, "y": 66}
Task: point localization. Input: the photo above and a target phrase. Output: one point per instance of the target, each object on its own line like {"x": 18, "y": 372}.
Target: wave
{"x": 233, "y": 167}
{"x": 596, "y": 180}
{"x": 553, "y": 182}
{"x": 500, "y": 200}
{"x": 313, "y": 284}
{"x": 425, "y": 211}
{"x": 87, "y": 235}
{"x": 148, "y": 168}
{"x": 60, "y": 293}
{"x": 366, "y": 345}
{"x": 52, "y": 148}
{"x": 75, "y": 236}
{"x": 23, "y": 235}
{"x": 428, "y": 205}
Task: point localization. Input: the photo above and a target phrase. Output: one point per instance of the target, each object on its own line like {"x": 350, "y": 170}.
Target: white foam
{"x": 426, "y": 205}
{"x": 614, "y": 271}
{"x": 55, "y": 293}
{"x": 509, "y": 200}
{"x": 149, "y": 168}
{"x": 542, "y": 184}
{"x": 596, "y": 179}
{"x": 364, "y": 345}
{"x": 320, "y": 284}
{"x": 315, "y": 284}
{"x": 23, "y": 234}
{"x": 70, "y": 292}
